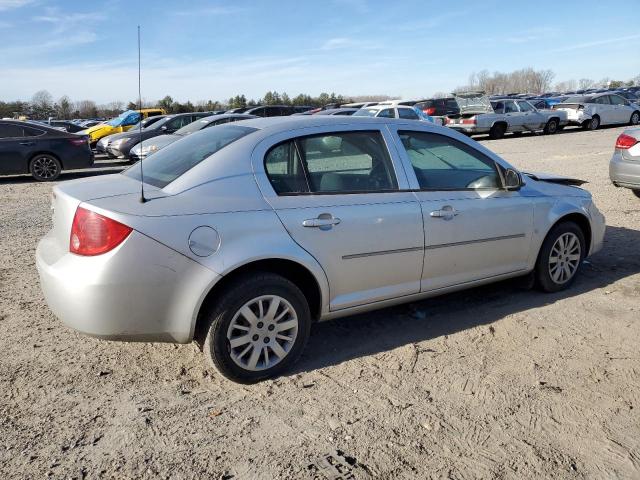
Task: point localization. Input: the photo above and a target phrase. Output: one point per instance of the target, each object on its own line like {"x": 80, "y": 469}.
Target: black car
{"x": 40, "y": 150}
{"x": 439, "y": 107}
{"x": 120, "y": 145}
{"x": 271, "y": 111}
{"x": 68, "y": 126}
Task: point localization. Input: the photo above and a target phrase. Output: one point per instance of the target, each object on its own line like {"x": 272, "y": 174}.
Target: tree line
{"x": 526, "y": 80}
{"x": 43, "y": 106}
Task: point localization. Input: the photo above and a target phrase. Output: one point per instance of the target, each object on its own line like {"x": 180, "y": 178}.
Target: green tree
{"x": 65, "y": 108}
{"x": 166, "y": 103}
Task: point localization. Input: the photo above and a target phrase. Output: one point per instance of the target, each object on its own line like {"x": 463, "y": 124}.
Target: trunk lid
{"x": 473, "y": 103}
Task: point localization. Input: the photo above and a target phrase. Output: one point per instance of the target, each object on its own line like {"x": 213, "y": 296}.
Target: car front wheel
{"x": 635, "y": 118}
{"x": 45, "y": 167}
{"x": 257, "y": 328}
{"x": 551, "y": 127}
{"x": 636, "y": 193}
{"x": 560, "y": 257}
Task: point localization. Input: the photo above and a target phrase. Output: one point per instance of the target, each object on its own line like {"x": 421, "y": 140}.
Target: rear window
{"x": 164, "y": 166}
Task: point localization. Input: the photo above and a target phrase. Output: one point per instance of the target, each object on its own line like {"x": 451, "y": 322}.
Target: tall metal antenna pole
{"x": 142, "y": 199}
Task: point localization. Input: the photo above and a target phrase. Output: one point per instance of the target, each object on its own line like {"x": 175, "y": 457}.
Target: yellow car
{"x": 121, "y": 123}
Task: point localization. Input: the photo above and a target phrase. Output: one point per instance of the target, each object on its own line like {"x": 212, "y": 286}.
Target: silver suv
{"x": 246, "y": 233}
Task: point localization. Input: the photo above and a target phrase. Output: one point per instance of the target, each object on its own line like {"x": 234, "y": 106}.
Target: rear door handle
{"x": 28, "y": 144}
{"x": 323, "y": 222}
{"x": 446, "y": 213}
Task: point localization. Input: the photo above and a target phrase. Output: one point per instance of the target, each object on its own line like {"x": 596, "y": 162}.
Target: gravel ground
{"x": 496, "y": 382}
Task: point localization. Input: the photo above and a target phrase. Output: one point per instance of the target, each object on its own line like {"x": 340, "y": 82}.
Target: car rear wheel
{"x": 592, "y": 124}
{"x": 560, "y": 257}
{"x": 257, "y": 328}
{"x": 45, "y": 167}
{"x": 635, "y": 118}
{"x": 636, "y": 193}
{"x": 551, "y": 127}
{"x": 497, "y": 131}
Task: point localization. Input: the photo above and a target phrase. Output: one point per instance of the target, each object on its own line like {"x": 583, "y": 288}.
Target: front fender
{"x": 548, "y": 214}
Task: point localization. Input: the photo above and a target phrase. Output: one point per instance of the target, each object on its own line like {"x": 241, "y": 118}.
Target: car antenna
{"x": 142, "y": 199}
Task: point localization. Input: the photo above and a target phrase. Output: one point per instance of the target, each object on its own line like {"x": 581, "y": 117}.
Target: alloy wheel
{"x": 45, "y": 167}
{"x": 564, "y": 259}
{"x": 635, "y": 118}
{"x": 262, "y": 332}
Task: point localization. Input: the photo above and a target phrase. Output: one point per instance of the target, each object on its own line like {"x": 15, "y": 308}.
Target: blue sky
{"x": 214, "y": 49}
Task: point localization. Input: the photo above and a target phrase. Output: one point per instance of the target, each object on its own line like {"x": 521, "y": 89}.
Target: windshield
{"x": 193, "y": 127}
{"x": 366, "y": 112}
{"x": 164, "y": 166}
{"x": 130, "y": 117}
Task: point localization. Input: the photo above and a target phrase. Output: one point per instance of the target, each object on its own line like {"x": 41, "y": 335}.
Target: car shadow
{"x": 341, "y": 340}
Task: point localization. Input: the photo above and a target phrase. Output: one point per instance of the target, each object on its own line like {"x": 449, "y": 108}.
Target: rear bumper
{"x": 624, "y": 173}
{"x": 140, "y": 291}
{"x": 468, "y": 129}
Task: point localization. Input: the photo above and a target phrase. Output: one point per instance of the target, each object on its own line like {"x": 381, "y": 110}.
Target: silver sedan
{"x": 247, "y": 233}
{"x": 624, "y": 167}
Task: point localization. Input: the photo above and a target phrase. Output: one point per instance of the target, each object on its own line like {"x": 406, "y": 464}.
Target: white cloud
{"x": 597, "y": 43}
{"x": 10, "y": 4}
{"x": 337, "y": 43}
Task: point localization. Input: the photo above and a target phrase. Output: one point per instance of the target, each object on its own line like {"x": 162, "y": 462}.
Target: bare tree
{"x": 585, "y": 83}
{"x": 87, "y": 109}
{"x": 566, "y": 86}
{"x": 42, "y": 104}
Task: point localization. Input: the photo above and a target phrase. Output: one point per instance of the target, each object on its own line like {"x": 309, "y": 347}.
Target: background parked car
{"x": 121, "y": 144}
{"x": 439, "y": 107}
{"x": 338, "y": 111}
{"x": 147, "y": 147}
{"x": 592, "y": 111}
{"x": 499, "y": 116}
{"x": 40, "y": 150}
{"x": 389, "y": 111}
{"x": 67, "y": 125}
{"x": 624, "y": 167}
{"x": 271, "y": 111}
{"x": 103, "y": 143}
{"x": 121, "y": 123}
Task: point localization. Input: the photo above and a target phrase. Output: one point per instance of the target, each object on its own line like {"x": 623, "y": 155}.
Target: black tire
{"x": 635, "y": 118}
{"x": 45, "y": 167}
{"x": 227, "y": 305}
{"x": 544, "y": 279}
{"x": 592, "y": 124}
{"x": 497, "y": 131}
{"x": 551, "y": 127}
{"x": 636, "y": 193}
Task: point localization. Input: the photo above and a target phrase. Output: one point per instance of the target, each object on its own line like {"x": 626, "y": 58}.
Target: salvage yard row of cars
{"x": 44, "y": 149}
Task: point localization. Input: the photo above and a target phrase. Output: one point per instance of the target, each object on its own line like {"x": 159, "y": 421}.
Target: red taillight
{"x": 95, "y": 234}
{"x": 430, "y": 110}
{"x": 625, "y": 142}
{"x": 469, "y": 121}
{"x": 81, "y": 141}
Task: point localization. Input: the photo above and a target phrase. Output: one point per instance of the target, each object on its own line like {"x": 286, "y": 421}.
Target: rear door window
{"x": 10, "y": 131}
{"x": 510, "y": 107}
{"x": 342, "y": 162}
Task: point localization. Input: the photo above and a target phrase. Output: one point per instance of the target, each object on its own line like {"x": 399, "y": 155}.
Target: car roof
{"x": 273, "y": 124}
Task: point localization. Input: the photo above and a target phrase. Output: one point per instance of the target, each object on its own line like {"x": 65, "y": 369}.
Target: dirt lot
{"x": 497, "y": 382}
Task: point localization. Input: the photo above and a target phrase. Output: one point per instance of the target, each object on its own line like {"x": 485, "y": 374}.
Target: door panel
{"x": 374, "y": 252}
{"x": 489, "y": 236}
{"x": 473, "y": 228}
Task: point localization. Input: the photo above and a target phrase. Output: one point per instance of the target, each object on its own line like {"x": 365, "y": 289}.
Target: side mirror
{"x": 163, "y": 128}
{"x": 512, "y": 180}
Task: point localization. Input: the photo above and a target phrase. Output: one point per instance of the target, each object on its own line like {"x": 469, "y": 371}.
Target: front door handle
{"x": 28, "y": 144}
{"x": 324, "y": 221}
{"x": 446, "y": 213}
